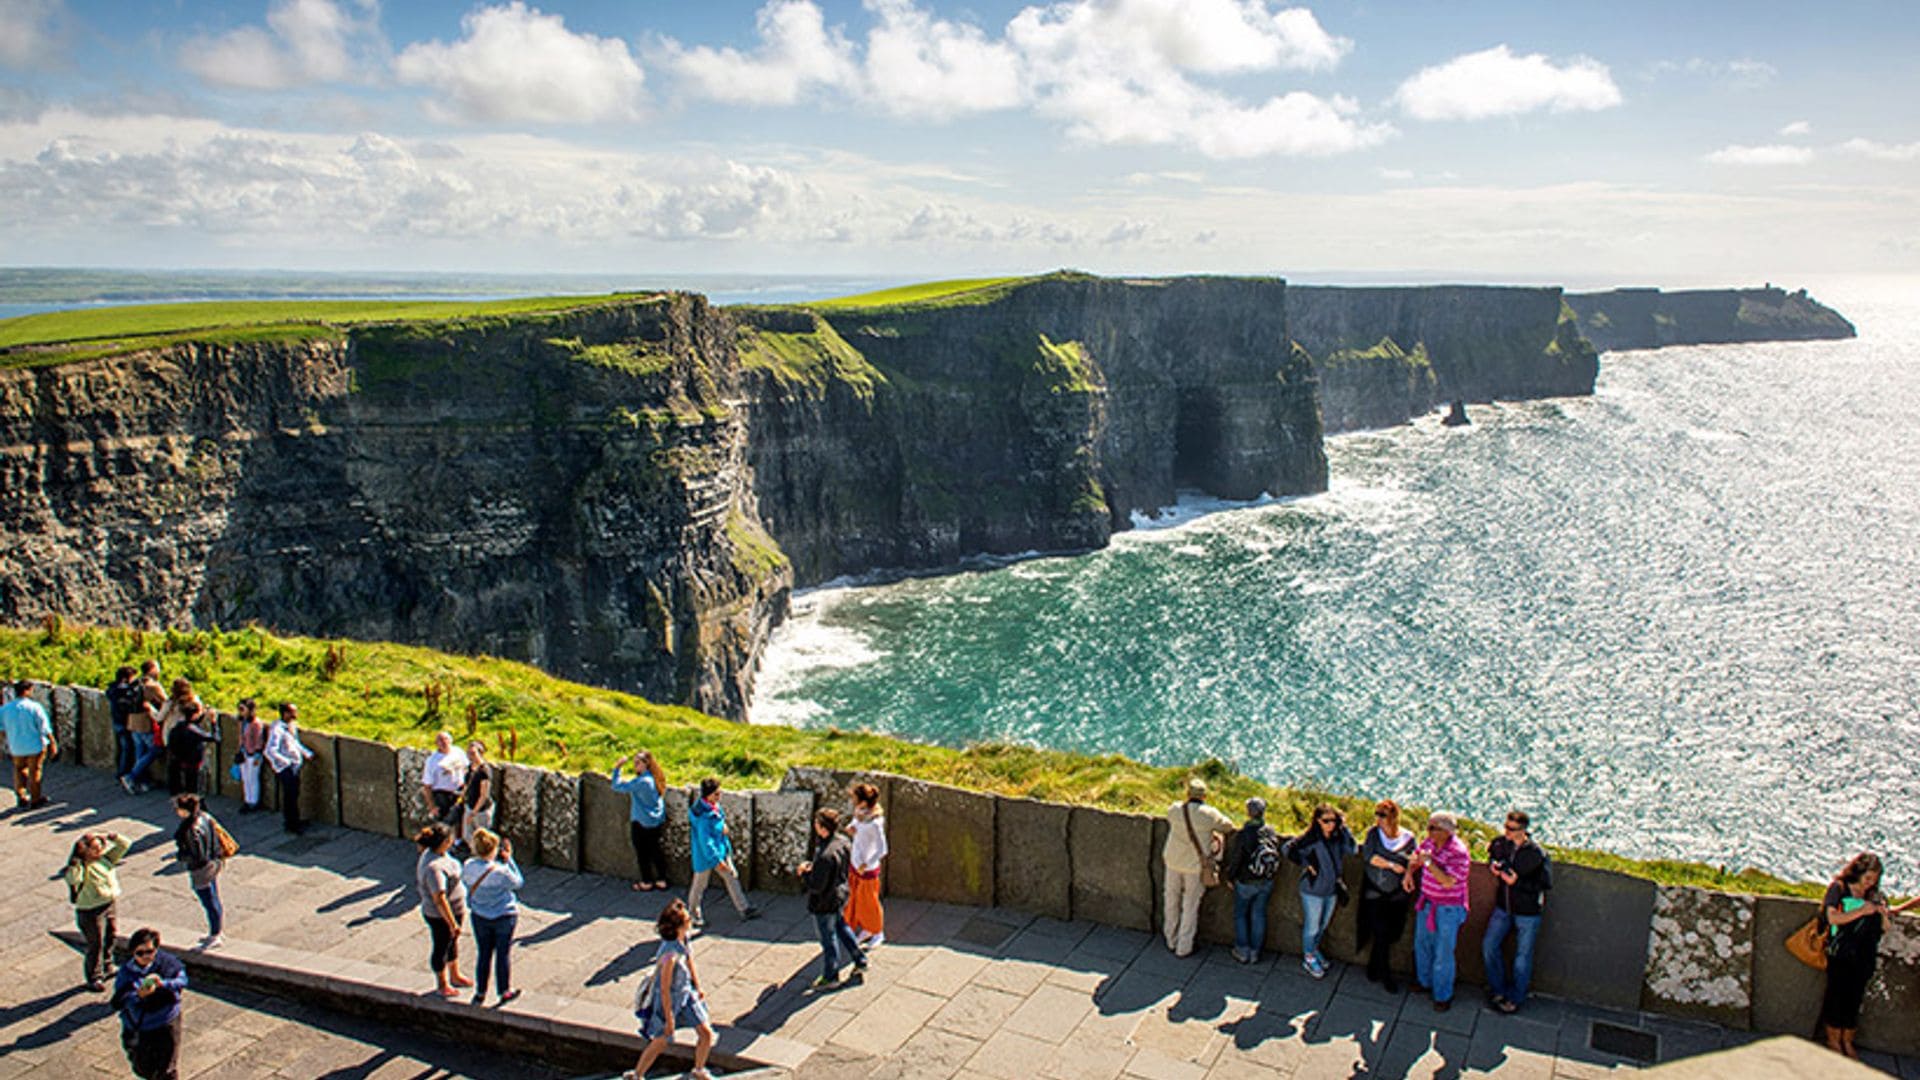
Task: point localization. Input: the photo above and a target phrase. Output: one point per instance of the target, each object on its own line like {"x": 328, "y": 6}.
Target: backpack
{"x": 1546, "y": 868}
{"x": 644, "y": 993}
{"x": 1261, "y": 860}
{"x": 125, "y": 699}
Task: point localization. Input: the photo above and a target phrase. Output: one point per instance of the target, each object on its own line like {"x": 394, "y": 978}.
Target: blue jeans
{"x": 146, "y": 752}
{"x": 1250, "y": 914}
{"x": 210, "y": 899}
{"x": 124, "y": 754}
{"x": 1433, "y": 949}
{"x": 1525, "y": 928}
{"x": 835, "y": 935}
{"x": 1315, "y": 913}
{"x": 494, "y": 939}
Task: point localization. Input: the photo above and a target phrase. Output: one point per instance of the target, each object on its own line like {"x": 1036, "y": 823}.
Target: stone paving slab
{"x": 956, "y": 991}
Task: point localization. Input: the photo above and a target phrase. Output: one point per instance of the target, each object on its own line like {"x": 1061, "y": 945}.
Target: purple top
{"x": 1454, "y": 860}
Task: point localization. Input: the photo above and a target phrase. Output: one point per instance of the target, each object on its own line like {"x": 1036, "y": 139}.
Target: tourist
{"x": 476, "y": 794}
{"x": 185, "y": 729}
{"x": 286, "y": 755}
{"x": 492, "y": 878}
{"x": 647, "y": 813}
{"x": 93, "y": 884}
{"x": 196, "y": 842}
{"x": 1320, "y": 851}
{"x": 443, "y": 902}
{"x": 712, "y": 850}
{"x": 30, "y": 742}
{"x": 869, "y": 831}
{"x": 252, "y": 754}
{"x": 144, "y": 725}
{"x": 442, "y": 777}
{"x": 674, "y": 998}
{"x": 1383, "y": 896}
{"x": 1439, "y": 865}
{"x": 147, "y": 995}
{"x": 1520, "y": 876}
{"x": 826, "y": 875}
{"x": 1855, "y": 914}
{"x": 1252, "y": 861}
{"x": 123, "y": 701}
{"x": 1195, "y": 836}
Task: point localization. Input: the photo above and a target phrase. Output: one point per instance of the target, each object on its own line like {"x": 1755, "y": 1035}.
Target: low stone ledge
{"x": 589, "y": 1034}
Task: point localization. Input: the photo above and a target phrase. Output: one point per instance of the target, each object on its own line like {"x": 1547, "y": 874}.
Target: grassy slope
{"x": 959, "y": 290}
{"x": 93, "y": 332}
{"x": 377, "y": 692}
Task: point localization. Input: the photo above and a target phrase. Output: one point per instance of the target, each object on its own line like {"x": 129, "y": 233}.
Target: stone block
{"x": 319, "y": 778}
{"x": 1593, "y": 937}
{"x": 225, "y": 755}
{"x": 1786, "y": 992}
{"x": 416, "y": 812}
{"x": 604, "y": 844}
{"x": 1700, "y": 956}
{"x": 738, "y": 808}
{"x": 64, "y": 705}
{"x": 1032, "y": 870}
{"x": 940, "y": 841}
{"x": 830, "y": 786}
{"x": 98, "y": 747}
{"x": 366, "y": 777}
{"x": 1887, "y": 1016}
{"x": 559, "y": 820}
{"x": 517, "y": 809}
{"x": 675, "y": 837}
{"x": 1111, "y": 857}
{"x": 783, "y": 828}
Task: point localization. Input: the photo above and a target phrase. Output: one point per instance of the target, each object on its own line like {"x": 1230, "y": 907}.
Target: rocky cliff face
{"x": 1384, "y": 348}
{"x": 1650, "y": 318}
{"x": 1035, "y": 419}
{"x": 568, "y": 490}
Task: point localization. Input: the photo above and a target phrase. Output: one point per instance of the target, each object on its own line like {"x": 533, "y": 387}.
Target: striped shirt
{"x": 1453, "y": 860}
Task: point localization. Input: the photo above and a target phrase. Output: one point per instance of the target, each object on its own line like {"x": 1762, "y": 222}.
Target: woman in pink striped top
{"x": 1440, "y": 864}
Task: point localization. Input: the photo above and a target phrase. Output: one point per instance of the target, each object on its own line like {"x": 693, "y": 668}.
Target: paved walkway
{"x": 954, "y": 992}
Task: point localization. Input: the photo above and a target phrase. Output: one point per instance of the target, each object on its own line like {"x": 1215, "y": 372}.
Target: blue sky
{"x": 1653, "y": 142}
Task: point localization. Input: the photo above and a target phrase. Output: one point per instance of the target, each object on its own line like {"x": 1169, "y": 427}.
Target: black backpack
{"x": 1258, "y": 854}
{"x": 124, "y": 699}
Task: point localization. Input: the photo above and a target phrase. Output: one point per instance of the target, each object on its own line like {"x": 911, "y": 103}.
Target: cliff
{"x": 1036, "y": 416}
{"x": 1388, "y": 354}
{"x": 569, "y": 490}
{"x": 1650, "y": 318}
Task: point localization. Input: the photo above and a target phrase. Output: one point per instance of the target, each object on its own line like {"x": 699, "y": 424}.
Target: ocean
{"x": 1677, "y": 619}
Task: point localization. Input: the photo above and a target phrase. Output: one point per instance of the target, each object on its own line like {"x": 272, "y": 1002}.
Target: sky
{"x": 1649, "y": 142}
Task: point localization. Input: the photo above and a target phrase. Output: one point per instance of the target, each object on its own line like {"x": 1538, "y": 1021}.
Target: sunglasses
{"x": 1327, "y": 820}
{"x": 1381, "y": 814}
{"x": 1513, "y": 826}
{"x": 142, "y": 954}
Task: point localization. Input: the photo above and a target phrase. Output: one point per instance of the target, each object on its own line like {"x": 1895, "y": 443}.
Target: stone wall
{"x": 1608, "y": 939}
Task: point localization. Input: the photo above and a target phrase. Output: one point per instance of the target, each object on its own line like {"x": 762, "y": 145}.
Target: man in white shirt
{"x": 1194, "y": 829}
{"x": 444, "y": 776}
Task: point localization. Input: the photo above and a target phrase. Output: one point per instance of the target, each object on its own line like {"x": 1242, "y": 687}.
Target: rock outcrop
{"x": 1388, "y": 354}
{"x": 1650, "y": 318}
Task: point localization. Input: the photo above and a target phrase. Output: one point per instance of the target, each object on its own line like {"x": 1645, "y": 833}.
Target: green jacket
{"x": 95, "y": 884}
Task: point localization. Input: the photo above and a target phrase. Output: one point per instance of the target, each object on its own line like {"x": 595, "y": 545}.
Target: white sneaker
{"x": 211, "y": 941}
{"x": 868, "y": 941}
{"x": 126, "y": 784}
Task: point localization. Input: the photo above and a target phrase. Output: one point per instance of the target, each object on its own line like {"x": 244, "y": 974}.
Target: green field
{"x": 383, "y": 692}
{"x": 115, "y": 328}
{"x": 957, "y": 291}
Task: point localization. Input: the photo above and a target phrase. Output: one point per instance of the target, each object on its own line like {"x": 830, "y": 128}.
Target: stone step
{"x": 533, "y": 1021}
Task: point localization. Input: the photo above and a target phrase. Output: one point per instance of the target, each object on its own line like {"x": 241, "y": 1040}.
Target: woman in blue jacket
{"x": 147, "y": 995}
{"x": 1319, "y": 851}
{"x": 647, "y": 813}
{"x": 713, "y": 853}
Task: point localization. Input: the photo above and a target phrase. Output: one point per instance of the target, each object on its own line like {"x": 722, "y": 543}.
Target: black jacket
{"x": 827, "y": 880}
{"x": 1528, "y": 864}
{"x": 195, "y": 843}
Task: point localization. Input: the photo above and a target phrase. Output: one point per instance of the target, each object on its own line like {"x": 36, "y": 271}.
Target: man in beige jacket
{"x": 1192, "y": 826}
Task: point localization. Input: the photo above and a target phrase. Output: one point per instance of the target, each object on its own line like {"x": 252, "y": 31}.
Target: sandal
{"x": 641, "y": 886}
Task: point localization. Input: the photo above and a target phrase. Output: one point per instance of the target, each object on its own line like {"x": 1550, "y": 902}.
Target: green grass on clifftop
{"x": 957, "y": 291}
{"x": 380, "y": 691}
{"x": 92, "y": 332}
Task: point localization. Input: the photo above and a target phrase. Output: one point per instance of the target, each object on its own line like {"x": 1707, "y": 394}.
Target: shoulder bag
{"x": 1209, "y": 863}
{"x": 222, "y": 839}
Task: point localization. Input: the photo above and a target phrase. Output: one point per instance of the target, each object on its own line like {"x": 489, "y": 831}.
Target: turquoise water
{"x": 1679, "y": 618}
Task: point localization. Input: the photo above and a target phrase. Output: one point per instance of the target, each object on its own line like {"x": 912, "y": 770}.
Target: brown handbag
{"x": 1809, "y": 945}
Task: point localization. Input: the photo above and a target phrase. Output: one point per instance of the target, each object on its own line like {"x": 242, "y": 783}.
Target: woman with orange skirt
{"x": 869, "y": 832}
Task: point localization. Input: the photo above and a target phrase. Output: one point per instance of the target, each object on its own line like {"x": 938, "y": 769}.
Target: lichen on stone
{"x": 1700, "y": 952}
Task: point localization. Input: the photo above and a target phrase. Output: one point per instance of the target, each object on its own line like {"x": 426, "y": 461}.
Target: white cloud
{"x": 1774, "y": 154}
{"x": 1495, "y": 82}
{"x": 304, "y": 41}
{"x": 1744, "y": 73}
{"x": 921, "y": 65}
{"x": 28, "y": 34}
{"x": 1882, "y": 151}
{"x": 1118, "y": 72}
{"x": 796, "y": 52}
{"x": 518, "y": 64}
{"x": 1396, "y": 175}
{"x": 1796, "y": 130}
